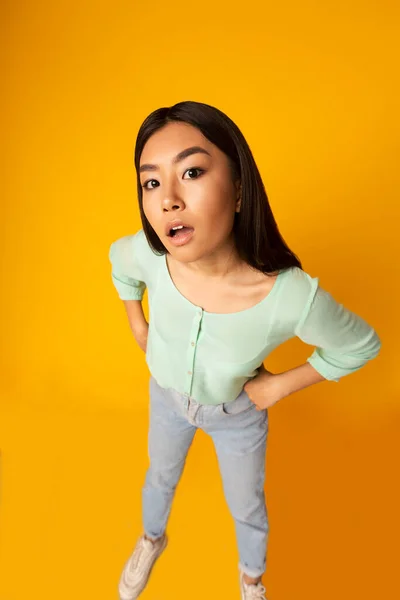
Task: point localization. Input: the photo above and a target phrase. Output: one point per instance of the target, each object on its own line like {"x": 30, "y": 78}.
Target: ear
{"x": 238, "y": 185}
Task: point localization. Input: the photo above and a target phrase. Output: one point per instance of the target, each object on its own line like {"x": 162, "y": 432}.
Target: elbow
{"x": 367, "y": 350}
{"x": 335, "y": 365}
{"x": 374, "y": 347}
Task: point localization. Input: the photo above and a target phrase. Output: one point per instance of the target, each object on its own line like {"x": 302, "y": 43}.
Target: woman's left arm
{"x": 344, "y": 342}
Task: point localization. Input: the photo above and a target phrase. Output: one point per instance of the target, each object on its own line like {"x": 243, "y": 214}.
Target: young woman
{"x": 224, "y": 290}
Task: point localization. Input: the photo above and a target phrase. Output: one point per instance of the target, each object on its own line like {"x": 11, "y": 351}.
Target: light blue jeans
{"x": 239, "y": 433}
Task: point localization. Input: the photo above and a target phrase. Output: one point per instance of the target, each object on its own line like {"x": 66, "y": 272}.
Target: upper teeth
{"x": 178, "y": 227}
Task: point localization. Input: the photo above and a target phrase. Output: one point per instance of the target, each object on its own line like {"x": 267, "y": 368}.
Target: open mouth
{"x": 180, "y": 235}
{"x": 179, "y": 231}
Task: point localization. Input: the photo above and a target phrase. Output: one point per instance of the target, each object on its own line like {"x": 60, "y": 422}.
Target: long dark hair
{"x": 257, "y": 237}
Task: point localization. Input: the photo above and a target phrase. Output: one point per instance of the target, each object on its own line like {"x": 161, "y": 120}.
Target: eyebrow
{"x": 178, "y": 158}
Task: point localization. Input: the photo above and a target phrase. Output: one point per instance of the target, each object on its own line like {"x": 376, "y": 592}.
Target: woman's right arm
{"x": 126, "y": 255}
{"x": 137, "y": 322}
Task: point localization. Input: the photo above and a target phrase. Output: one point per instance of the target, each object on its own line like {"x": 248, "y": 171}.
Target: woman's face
{"x": 196, "y": 188}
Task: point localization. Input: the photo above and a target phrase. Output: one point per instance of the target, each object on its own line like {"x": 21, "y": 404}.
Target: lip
{"x": 183, "y": 238}
{"x": 175, "y": 223}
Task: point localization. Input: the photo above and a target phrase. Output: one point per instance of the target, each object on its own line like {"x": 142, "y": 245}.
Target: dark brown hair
{"x": 256, "y": 232}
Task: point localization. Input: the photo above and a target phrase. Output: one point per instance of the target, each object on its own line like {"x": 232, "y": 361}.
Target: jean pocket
{"x": 238, "y": 406}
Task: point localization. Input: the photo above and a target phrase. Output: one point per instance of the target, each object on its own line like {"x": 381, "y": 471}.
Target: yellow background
{"x": 313, "y": 86}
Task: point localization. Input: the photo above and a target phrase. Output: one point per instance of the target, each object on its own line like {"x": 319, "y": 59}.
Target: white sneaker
{"x": 137, "y": 569}
{"x": 251, "y": 592}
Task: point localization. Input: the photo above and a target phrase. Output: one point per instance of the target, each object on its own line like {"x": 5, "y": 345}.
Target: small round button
{"x": 192, "y": 343}
{"x": 189, "y": 372}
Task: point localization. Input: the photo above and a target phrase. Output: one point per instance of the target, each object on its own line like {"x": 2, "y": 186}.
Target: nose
{"x": 172, "y": 200}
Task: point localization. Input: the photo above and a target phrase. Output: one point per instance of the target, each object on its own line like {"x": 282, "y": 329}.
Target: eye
{"x": 144, "y": 186}
{"x": 194, "y": 169}
{"x": 191, "y": 170}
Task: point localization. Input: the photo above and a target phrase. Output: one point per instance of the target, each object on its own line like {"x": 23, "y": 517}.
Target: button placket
{"x": 192, "y": 349}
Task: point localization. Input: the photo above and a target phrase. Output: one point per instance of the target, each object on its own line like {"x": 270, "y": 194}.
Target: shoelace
{"x": 143, "y": 546}
{"x": 256, "y": 592}
{"x": 253, "y": 592}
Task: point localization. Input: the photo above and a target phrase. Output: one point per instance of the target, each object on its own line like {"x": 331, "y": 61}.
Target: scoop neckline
{"x": 263, "y": 301}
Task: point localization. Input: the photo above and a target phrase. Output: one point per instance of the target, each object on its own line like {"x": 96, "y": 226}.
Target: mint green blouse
{"x": 210, "y": 356}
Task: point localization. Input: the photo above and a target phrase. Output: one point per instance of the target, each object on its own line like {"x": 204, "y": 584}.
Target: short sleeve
{"x": 126, "y": 271}
{"x": 344, "y": 341}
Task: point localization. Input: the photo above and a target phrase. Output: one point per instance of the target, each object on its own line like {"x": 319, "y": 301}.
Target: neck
{"x": 220, "y": 263}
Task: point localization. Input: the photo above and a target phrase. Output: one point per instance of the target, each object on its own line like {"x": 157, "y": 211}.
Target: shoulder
{"x": 300, "y": 280}
{"x": 127, "y": 243}
{"x": 132, "y": 245}
{"x": 298, "y": 290}
{"x": 133, "y": 251}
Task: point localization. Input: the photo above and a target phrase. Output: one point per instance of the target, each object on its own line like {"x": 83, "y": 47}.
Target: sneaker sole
{"x": 124, "y": 592}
